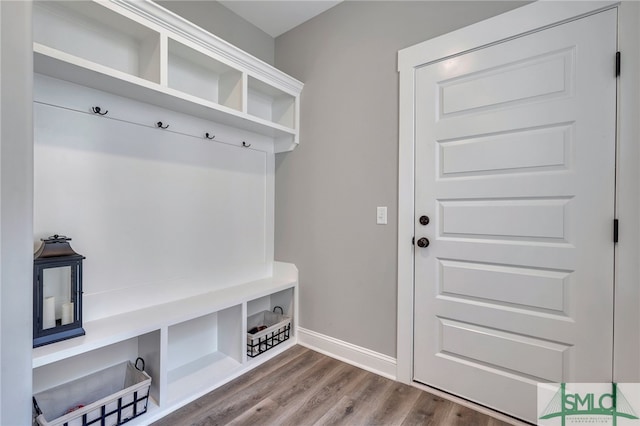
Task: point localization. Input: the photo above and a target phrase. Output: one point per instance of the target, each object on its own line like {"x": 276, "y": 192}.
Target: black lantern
{"x": 57, "y": 292}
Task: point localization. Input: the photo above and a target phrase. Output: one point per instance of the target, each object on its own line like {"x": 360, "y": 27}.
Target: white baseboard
{"x": 366, "y": 359}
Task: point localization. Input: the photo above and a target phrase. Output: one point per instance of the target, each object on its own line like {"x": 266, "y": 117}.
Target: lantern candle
{"x": 67, "y": 313}
{"x": 49, "y": 313}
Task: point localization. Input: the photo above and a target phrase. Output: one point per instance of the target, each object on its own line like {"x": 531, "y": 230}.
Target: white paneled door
{"x": 515, "y": 170}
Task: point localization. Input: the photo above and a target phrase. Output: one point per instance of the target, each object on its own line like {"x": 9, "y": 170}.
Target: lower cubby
{"x": 269, "y": 322}
{"x": 145, "y": 346}
{"x": 283, "y": 299}
{"x": 203, "y": 351}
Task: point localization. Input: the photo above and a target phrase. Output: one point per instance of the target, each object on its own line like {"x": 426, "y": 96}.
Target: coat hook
{"x": 96, "y": 110}
{"x": 246, "y": 145}
{"x": 160, "y": 126}
{"x": 206, "y": 135}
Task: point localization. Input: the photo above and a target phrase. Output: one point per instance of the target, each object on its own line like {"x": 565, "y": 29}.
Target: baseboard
{"x": 366, "y": 359}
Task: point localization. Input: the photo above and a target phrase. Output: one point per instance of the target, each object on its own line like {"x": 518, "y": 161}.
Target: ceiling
{"x": 278, "y": 17}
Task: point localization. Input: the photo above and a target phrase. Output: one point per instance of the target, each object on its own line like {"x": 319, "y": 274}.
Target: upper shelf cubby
{"x": 270, "y": 103}
{"x": 87, "y": 30}
{"x": 200, "y": 75}
{"x": 141, "y": 50}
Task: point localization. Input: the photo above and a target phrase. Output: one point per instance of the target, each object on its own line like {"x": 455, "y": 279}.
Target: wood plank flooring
{"x": 304, "y": 387}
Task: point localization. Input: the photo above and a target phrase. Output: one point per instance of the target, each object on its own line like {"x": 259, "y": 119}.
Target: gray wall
{"x": 218, "y": 20}
{"x": 328, "y": 188}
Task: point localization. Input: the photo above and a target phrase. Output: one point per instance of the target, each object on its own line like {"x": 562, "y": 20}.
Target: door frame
{"x": 524, "y": 20}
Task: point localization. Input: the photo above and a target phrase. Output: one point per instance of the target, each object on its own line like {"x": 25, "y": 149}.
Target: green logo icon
{"x": 611, "y": 403}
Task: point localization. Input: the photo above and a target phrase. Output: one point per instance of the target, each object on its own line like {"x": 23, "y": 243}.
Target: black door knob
{"x": 424, "y": 220}
{"x": 423, "y": 242}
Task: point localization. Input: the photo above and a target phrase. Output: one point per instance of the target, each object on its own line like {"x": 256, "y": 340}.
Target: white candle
{"x": 49, "y": 313}
{"x": 67, "y": 313}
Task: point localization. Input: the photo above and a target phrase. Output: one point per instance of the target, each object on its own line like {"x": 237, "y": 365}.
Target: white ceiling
{"x": 278, "y": 17}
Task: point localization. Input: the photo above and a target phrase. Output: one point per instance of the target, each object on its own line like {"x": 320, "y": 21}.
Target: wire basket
{"x": 266, "y": 330}
{"x": 112, "y": 396}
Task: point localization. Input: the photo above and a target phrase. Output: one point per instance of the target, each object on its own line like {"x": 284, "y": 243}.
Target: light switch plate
{"x": 381, "y": 215}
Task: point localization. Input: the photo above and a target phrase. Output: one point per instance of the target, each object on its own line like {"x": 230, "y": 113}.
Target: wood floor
{"x": 303, "y": 387}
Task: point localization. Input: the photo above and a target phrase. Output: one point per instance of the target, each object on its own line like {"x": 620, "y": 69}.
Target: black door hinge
{"x": 413, "y": 241}
{"x": 615, "y": 230}
{"x": 617, "y": 64}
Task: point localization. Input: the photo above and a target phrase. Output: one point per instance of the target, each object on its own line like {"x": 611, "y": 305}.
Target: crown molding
{"x": 168, "y": 20}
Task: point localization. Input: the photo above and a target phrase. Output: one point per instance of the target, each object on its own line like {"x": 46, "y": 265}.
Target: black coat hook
{"x": 246, "y": 145}
{"x": 96, "y": 110}
{"x": 160, "y": 126}
{"x": 206, "y": 135}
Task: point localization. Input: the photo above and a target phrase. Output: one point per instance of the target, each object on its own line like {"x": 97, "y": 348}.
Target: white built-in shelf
{"x": 113, "y": 329}
{"x": 190, "y": 346}
{"x": 141, "y": 51}
{"x": 144, "y": 52}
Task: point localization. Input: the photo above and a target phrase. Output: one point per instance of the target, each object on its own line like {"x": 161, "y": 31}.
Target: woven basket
{"x": 278, "y": 329}
{"x": 111, "y": 396}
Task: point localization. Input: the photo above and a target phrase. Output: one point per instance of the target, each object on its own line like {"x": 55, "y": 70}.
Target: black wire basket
{"x": 266, "y": 330}
{"x": 112, "y": 396}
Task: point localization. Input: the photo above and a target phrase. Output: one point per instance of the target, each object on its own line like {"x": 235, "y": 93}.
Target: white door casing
{"x": 515, "y": 164}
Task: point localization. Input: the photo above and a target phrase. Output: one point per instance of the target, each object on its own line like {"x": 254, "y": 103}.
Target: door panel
{"x": 515, "y": 166}
{"x": 515, "y": 82}
{"x": 524, "y": 151}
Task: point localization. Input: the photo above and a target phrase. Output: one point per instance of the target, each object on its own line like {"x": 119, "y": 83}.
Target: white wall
{"x": 328, "y": 188}
{"x": 159, "y": 214}
{"x": 16, "y": 177}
